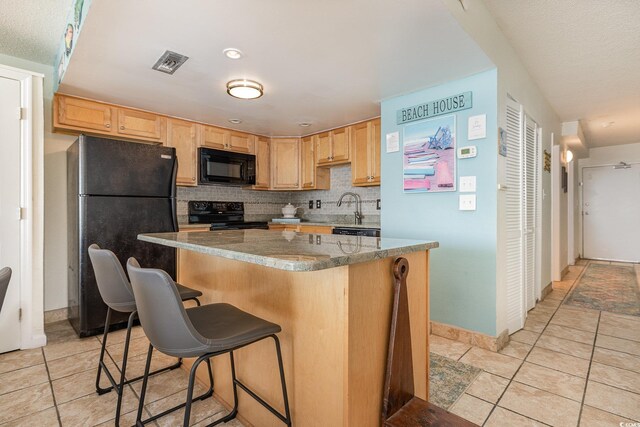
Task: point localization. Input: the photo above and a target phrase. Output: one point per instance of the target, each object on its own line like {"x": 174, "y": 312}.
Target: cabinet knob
{"x": 121, "y": 127}
{"x": 107, "y": 125}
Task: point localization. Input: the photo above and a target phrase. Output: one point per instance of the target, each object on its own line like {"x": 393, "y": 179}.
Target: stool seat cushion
{"x": 187, "y": 293}
{"x": 224, "y": 326}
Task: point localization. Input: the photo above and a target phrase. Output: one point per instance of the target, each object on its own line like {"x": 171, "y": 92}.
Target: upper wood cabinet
{"x": 182, "y": 135}
{"x": 365, "y": 158}
{"x": 263, "y": 163}
{"x": 81, "y": 114}
{"x": 285, "y": 163}
{"x": 141, "y": 125}
{"x": 312, "y": 177}
{"x": 225, "y": 139}
{"x": 333, "y": 147}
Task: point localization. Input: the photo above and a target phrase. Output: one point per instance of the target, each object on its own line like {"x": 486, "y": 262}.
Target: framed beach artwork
{"x": 429, "y": 155}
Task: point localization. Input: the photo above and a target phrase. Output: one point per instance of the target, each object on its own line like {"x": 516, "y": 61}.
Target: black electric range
{"x": 221, "y": 215}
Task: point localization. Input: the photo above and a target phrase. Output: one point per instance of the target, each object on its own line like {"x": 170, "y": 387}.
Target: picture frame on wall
{"x": 429, "y": 155}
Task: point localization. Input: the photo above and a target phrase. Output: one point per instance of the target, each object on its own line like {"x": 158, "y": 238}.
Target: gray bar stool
{"x": 202, "y": 332}
{"x": 5, "y": 278}
{"x": 116, "y": 292}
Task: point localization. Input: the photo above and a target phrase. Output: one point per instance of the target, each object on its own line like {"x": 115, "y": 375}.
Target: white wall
{"x": 602, "y": 156}
{"x": 55, "y": 201}
{"x": 514, "y": 81}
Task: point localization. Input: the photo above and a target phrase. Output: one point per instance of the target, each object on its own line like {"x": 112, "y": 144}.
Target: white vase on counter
{"x": 289, "y": 211}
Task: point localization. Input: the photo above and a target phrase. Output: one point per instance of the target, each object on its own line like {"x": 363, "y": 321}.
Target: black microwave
{"x": 225, "y": 167}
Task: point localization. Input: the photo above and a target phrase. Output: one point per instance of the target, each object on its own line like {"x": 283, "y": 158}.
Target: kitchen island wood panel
{"x": 332, "y": 295}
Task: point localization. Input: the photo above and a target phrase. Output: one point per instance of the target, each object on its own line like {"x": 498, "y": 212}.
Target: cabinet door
{"x": 316, "y": 229}
{"x": 360, "y": 158}
{"x": 240, "y": 142}
{"x": 375, "y": 144}
{"x": 80, "y": 113}
{"x": 263, "y": 163}
{"x": 141, "y": 125}
{"x": 182, "y": 136}
{"x": 285, "y": 161}
{"x": 307, "y": 145}
{"x": 340, "y": 142}
{"x": 323, "y": 148}
{"x": 213, "y": 137}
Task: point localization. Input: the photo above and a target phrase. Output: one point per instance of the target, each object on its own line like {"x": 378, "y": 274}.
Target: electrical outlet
{"x": 318, "y": 204}
{"x": 318, "y": 239}
{"x": 467, "y": 202}
{"x": 378, "y": 204}
{"x": 310, "y": 204}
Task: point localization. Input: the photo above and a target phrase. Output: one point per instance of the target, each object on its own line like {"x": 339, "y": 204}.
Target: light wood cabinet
{"x": 285, "y": 163}
{"x": 182, "y": 135}
{"x": 333, "y": 147}
{"x": 194, "y": 229}
{"x": 312, "y": 229}
{"x": 141, "y": 125}
{"x": 263, "y": 163}
{"x": 285, "y": 227}
{"x": 313, "y": 178}
{"x": 365, "y": 160}
{"x": 225, "y": 139}
{"x": 81, "y": 114}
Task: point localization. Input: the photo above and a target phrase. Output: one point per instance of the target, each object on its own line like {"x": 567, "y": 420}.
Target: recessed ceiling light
{"x": 304, "y": 124}
{"x": 608, "y": 124}
{"x": 232, "y": 53}
{"x": 235, "y": 121}
{"x": 244, "y": 89}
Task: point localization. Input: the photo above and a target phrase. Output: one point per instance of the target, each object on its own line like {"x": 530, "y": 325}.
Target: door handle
{"x": 586, "y": 213}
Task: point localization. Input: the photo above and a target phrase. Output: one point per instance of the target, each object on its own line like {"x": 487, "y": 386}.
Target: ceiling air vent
{"x": 169, "y": 62}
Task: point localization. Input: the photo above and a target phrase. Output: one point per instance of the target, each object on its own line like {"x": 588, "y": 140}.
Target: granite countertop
{"x": 288, "y": 250}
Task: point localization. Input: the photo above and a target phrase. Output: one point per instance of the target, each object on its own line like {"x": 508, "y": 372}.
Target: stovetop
{"x": 221, "y": 215}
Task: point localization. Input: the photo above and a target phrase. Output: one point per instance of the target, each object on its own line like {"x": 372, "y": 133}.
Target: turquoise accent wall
{"x": 463, "y": 268}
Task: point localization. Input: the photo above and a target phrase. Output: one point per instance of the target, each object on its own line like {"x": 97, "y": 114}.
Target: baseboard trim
{"x": 55, "y": 315}
{"x": 546, "y": 291}
{"x": 564, "y": 272}
{"x": 36, "y": 341}
{"x": 466, "y": 336}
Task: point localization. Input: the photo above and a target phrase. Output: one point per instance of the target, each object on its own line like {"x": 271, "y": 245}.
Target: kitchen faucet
{"x": 358, "y": 212}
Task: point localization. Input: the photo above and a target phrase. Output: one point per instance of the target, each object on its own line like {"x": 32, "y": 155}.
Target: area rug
{"x": 611, "y": 288}
{"x": 448, "y": 379}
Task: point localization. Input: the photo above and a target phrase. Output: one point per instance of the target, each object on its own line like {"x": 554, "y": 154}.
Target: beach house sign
{"x": 461, "y": 101}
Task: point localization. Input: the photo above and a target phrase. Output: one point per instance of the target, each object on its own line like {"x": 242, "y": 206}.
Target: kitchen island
{"x": 332, "y": 296}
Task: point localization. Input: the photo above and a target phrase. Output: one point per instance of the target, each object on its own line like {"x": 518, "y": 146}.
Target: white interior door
{"x": 611, "y": 213}
{"x": 514, "y": 219}
{"x": 529, "y": 208}
{"x": 10, "y": 140}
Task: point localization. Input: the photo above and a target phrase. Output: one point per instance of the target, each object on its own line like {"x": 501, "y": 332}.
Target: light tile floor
{"x": 569, "y": 366}
{"x": 55, "y": 385}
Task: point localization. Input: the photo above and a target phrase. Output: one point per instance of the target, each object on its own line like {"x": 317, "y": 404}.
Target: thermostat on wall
{"x": 467, "y": 152}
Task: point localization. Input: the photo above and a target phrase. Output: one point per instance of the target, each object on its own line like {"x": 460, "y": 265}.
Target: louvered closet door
{"x": 514, "y": 219}
{"x": 530, "y": 198}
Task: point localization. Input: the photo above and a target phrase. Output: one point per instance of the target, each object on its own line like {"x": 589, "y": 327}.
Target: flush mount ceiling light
{"x": 608, "y": 124}
{"x": 304, "y": 124}
{"x": 233, "y": 53}
{"x": 235, "y": 121}
{"x": 568, "y": 156}
{"x": 244, "y": 89}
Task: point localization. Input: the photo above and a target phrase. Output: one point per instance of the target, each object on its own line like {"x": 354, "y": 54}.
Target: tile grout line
{"x": 511, "y": 380}
{"x": 586, "y": 384}
{"x": 53, "y": 395}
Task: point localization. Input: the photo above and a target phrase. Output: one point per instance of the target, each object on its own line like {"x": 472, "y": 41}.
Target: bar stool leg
{"x": 143, "y": 391}
{"x": 287, "y": 414}
{"x": 107, "y": 322}
{"x": 192, "y": 381}
{"x": 120, "y": 388}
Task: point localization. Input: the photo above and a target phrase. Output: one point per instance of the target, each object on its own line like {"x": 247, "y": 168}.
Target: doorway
{"x": 10, "y": 192}
{"x": 610, "y": 212}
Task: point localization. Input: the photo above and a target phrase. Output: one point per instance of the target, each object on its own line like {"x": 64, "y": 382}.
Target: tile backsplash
{"x": 264, "y": 205}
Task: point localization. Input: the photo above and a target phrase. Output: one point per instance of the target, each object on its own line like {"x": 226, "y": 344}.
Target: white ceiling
{"x": 326, "y": 62}
{"x": 585, "y": 56}
{"x": 32, "y": 29}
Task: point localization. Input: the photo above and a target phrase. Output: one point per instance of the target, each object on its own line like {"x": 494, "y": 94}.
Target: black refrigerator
{"x": 115, "y": 191}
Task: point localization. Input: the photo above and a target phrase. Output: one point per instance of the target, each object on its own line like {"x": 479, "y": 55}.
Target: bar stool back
{"x": 5, "y": 278}
{"x": 202, "y": 332}
{"x": 117, "y": 294}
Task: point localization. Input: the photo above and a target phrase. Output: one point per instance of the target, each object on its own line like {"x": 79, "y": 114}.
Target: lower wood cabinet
{"x": 183, "y": 136}
{"x": 285, "y": 163}
{"x": 300, "y": 228}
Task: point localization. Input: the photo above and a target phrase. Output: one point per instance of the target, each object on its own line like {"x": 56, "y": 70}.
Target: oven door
{"x": 224, "y": 167}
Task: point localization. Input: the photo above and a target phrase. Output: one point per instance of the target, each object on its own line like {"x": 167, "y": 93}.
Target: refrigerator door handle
{"x": 174, "y": 175}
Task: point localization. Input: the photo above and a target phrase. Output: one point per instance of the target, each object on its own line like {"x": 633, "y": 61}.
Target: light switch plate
{"x": 467, "y": 202}
{"x": 467, "y": 184}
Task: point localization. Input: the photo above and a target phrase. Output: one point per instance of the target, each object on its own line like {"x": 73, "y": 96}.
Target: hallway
{"x": 569, "y": 366}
